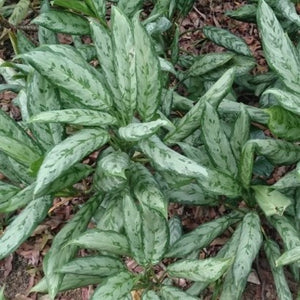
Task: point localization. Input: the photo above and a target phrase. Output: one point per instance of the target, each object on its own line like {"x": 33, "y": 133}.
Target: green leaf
{"x": 18, "y": 200}
{"x": 136, "y": 131}
{"x": 271, "y": 202}
{"x": 18, "y": 151}
{"x": 7, "y": 191}
{"x": 276, "y": 151}
{"x": 280, "y": 52}
{"x": 290, "y": 180}
{"x": 10, "y": 128}
{"x": 75, "y": 5}
{"x": 249, "y": 242}
{"x": 288, "y": 10}
{"x": 98, "y": 6}
{"x": 173, "y": 293}
{"x": 240, "y": 134}
{"x": 190, "y": 122}
{"x": 216, "y": 142}
{"x": 66, "y": 154}
{"x": 23, "y": 43}
{"x": 283, "y": 123}
{"x": 288, "y": 257}
{"x": 175, "y": 229}
{"x": 133, "y": 227}
{"x": 85, "y": 117}
{"x": 19, "y": 13}
{"x": 115, "y": 287}
{"x": 289, "y": 101}
{"x": 208, "y": 62}
{"x": 66, "y": 69}
{"x": 272, "y": 251}
{"x": 93, "y": 265}
{"x": 155, "y": 234}
{"x": 23, "y": 225}
{"x": 202, "y": 236}
{"x": 124, "y": 59}
{"x": 100, "y": 240}
{"x": 148, "y": 75}
{"x": 69, "y": 282}
{"x": 2, "y": 293}
{"x": 45, "y": 35}
{"x": 169, "y": 160}
{"x": 63, "y": 22}
{"x": 227, "y": 40}
{"x": 130, "y": 7}
{"x": 147, "y": 190}
{"x": 112, "y": 213}
{"x": 103, "y": 44}
{"x": 38, "y": 90}
{"x": 245, "y": 13}
{"x": 207, "y": 270}
{"x": 191, "y": 194}
{"x": 61, "y": 252}
{"x": 150, "y": 295}
{"x": 110, "y": 171}
{"x": 71, "y": 176}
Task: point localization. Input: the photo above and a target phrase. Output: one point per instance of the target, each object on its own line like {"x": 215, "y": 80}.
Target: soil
{"x": 20, "y": 271}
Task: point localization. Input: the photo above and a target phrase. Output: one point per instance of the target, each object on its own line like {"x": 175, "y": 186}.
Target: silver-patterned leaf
{"x": 173, "y": 293}
{"x": 149, "y": 85}
{"x": 85, "y": 117}
{"x": 19, "y": 13}
{"x": 273, "y": 252}
{"x": 93, "y": 265}
{"x": 136, "y": 131}
{"x": 38, "y": 90}
{"x": 288, "y": 257}
{"x": 63, "y": 22}
{"x": 64, "y": 67}
{"x": 23, "y": 225}
{"x": 288, "y": 100}
{"x": 115, "y": 287}
{"x": 226, "y": 39}
{"x": 216, "y": 143}
{"x": 107, "y": 241}
{"x": 175, "y": 229}
{"x": 190, "y": 122}
{"x": 61, "y": 252}
{"x": 110, "y": 171}
{"x": 169, "y": 160}
{"x": 290, "y": 180}
{"x": 271, "y": 202}
{"x": 205, "y": 270}
{"x": 150, "y": 295}
{"x": 202, "y": 236}
{"x": 147, "y": 190}
{"x": 280, "y": 52}
{"x": 125, "y": 66}
{"x": 7, "y": 191}
{"x": 66, "y": 154}
{"x": 129, "y": 7}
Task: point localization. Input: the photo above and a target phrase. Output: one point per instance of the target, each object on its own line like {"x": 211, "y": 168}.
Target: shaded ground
{"x": 19, "y": 272}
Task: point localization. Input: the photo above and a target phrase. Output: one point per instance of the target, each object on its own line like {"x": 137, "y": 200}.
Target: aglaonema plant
{"x": 122, "y": 108}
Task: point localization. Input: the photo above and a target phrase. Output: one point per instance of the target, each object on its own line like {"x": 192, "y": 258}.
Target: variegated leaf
{"x": 93, "y": 265}
{"x": 66, "y": 154}
{"x": 226, "y": 39}
{"x": 65, "y": 68}
{"x": 149, "y": 84}
{"x": 201, "y": 236}
{"x": 125, "y": 66}
{"x": 206, "y": 270}
{"x": 190, "y": 122}
{"x": 150, "y": 295}
{"x": 115, "y": 287}
{"x": 136, "y": 131}
{"x": 63, "y": 22}
{"x": 173, "y": 293}
{"x": 85, "y": 117}
{"x": 130, "y": 7}
{"x": 7, "y": 191}
{"x": 19, "y": 13}
{"x": 23, "y": 225}
{"x": 61, "y": 253}
{"x": 280, "y": 52}
{"x": 147, "y": 190}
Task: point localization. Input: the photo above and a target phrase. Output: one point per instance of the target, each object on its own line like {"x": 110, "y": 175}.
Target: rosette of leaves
{"x": 123, "y": 108}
